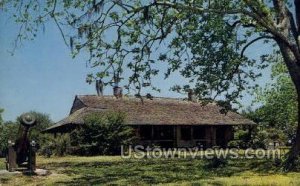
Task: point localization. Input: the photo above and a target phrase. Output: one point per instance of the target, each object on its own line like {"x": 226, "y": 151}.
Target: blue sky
{"x": 42, "y": 76}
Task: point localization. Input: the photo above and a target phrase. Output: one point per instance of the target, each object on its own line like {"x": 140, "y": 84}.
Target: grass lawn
{"x": 114, "y": 170}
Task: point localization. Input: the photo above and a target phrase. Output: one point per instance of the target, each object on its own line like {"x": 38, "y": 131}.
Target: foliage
{"x": 2, "y": 146}
{"x": 59, "y": 146}
{"x": 277, "y": 115}
{"x": 216, "y": 162}
{"x": 257, "y": 137}
{"x": 36, "y": 133}
{"x": 102, "y": 134}
{"x": 1, "y": 119}
{"x": 242, "y": 138}
{"x": 279, "y": 102}
{"x": 62, "y": 143}
{"x": 9, "y": 131}
{"x": 205, "y": 47}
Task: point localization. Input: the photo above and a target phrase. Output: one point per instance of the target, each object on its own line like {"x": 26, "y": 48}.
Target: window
{"x": 185, "y": 132}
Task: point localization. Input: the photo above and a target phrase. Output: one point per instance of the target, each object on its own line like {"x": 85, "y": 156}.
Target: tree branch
{"x": 294, "y": 29}
{"x": 297, "y": 20}
{"x": 297, "y": 11}
{"x": 256, "y": 15}
{"x": 52, "y": 14}
{"x": 202, "y": 10}
{"x": 253, "y": 41}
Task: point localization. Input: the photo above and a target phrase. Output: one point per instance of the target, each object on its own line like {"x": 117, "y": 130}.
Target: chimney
{"x": 99, "y": 87}
{"x": 117, "y": 92}
{"x": 190, "y": 95}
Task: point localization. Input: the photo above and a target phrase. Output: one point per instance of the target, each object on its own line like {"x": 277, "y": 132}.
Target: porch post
{"x": 178, "y": 135}
{"x": 152, "y": 134}
{"x": 174, "y": 136}
{"x": 210, "y": 136}
{"x": 213, "y": 136}
{"x": 192, "y": 136}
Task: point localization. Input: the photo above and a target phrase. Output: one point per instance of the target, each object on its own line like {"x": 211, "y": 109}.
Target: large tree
{"x": 204, "y": 40}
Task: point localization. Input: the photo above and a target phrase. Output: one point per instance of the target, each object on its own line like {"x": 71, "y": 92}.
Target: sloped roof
{"x": 159, "y": 111}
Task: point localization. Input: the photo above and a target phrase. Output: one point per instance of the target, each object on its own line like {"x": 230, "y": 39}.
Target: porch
{"x": 184, "y": 135}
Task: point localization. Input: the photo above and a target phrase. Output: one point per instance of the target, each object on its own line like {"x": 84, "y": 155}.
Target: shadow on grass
{"x": 154, "y": 171}
{"x": 4, "y": 180}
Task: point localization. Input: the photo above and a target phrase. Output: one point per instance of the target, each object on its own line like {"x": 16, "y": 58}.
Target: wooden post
{"x": 138, "y": 132}
{"x": 152, "y": 134}
{"x": 178, "y": 135}
{"x": 174, "y": 135}
{"x": 213, "y": 136}
{"x": 192, "y": 134}
{"x": 11, "y": 159}
{"x": 228, "y": 134}
{"x": 208, "y": 137}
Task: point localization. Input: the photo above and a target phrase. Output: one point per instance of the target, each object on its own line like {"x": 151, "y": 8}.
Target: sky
{"x": 42, "y": 76}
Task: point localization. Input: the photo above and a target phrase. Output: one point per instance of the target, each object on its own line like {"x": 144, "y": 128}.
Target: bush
{"x": 260, "y": 139}
{"x": 236, "y": 144}
{"x": 257, "y": 138}
{"x": 102, "y": 134}
{"x": 242, "y": 138}
{"x": 216, "y": 162}
{"x": 62, "y": 143}
{"x": 36, "y": 133}
{"x": 58, "y": 146}
{"x": 8, "y": 132}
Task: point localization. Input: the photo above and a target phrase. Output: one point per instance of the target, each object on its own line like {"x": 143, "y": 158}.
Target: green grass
{"x": 113, "y": 170}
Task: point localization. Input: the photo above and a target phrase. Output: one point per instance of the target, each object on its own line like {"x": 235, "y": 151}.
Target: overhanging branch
{"x": 297, "y": 10}
{"x": 253, "y": 41}
{"x": 52, "y": 15}
{"x": 201, "y": 10}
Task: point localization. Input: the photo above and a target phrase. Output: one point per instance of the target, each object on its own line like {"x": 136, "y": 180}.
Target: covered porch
{"x": 184, "y": 135}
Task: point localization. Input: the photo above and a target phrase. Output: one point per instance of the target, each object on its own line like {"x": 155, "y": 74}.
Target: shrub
{"x": 58, "y": 146}
{"x": 257, "y": 138}
{"x": 102, "y": 134}
{"x": 216, "y": 162}
{"x": 260, "y": 139}
{"x": 8, "y": 132}
{"x": 62, "y": 143}
{"x": 236, "y": 144}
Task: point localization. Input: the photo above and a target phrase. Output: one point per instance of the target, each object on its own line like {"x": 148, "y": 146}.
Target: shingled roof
{"x": 158, "y": 111}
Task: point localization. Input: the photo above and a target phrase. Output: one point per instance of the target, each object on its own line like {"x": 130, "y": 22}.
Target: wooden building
{"x": 164, "y": 122}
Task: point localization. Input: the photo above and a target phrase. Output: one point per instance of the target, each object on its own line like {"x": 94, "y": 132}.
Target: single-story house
{"x": 165, "y": 122}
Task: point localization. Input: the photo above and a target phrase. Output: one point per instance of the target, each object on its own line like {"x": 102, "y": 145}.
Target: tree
{"x": 36, "y": 133}
{"x": 279, "y": 101}
{"x": 9, "y": 130}
{"x": 103, "y": 134}
{"x": 205, "y": 40}
{"x": 1, "y": 119}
